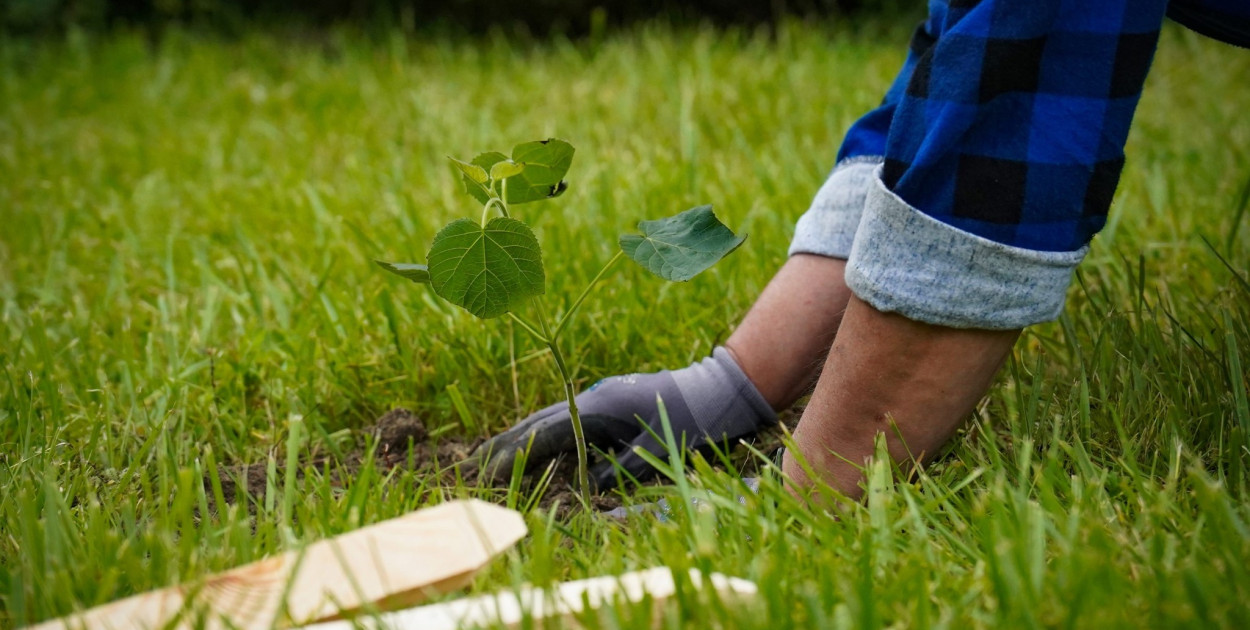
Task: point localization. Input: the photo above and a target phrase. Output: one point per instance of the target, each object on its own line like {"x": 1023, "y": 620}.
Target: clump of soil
{"x": 397, "y": 430}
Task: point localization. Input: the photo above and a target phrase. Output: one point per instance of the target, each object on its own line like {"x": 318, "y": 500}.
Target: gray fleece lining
{"x": 906, "y": 262}
{"x": 828, "y": 227}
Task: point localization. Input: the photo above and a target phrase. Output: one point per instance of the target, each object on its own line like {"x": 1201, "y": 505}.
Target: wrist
{"x": 744, "y": 386}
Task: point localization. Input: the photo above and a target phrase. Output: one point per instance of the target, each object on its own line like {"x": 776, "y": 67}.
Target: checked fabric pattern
{"x": 1009, "y": 117}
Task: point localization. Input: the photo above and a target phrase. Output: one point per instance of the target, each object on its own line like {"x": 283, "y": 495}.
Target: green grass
{"x": 186, "y": 235}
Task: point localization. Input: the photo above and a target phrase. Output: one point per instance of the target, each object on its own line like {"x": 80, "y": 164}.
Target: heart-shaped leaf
{"x": 487, "y": 271}
{"x": 412, "y": 271}
{"x": 546, "y": 163}
{"x": 681, "y": 246}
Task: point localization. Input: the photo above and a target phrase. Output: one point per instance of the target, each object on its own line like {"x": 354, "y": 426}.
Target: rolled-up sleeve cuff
{"x": 904, "y": 261}
{"x": 828, "y": 227}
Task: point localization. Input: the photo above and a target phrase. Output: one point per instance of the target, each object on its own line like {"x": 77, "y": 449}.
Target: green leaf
{"x": 485, "y": 161}
{"x": 417, "y": 273}
{"x": 487, "y": 271}
{"x": 546, "y": 163}
{"x": 472, "y": 171}
{"x": 506, "y": 169}
{"x": 680, "y": 247}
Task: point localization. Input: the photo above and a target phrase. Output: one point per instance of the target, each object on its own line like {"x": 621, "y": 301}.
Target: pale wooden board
{"x": 392, "y": 564}
{"x": 509, "y": 609}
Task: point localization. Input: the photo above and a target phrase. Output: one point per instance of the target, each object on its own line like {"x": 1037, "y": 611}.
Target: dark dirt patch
{"x": 398, "y": 429}
{"x": 561, "y": 494}
{"x": 402, "y": 440}
{"x": 253, "y": 477}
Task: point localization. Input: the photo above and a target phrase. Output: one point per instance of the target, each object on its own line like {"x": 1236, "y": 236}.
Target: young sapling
{"x": 493, "y": 266}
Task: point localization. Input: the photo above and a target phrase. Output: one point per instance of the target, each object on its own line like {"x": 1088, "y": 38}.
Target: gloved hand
{"x": 708, "y": 402}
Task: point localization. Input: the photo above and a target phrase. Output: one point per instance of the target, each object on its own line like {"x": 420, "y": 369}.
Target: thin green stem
{"x": 542, "y": 315}
{"x": 493, "y": 201}
{"x": 529, "y": 328}
{"x": 579, "y": 436}
{"x": 564, "y": 319}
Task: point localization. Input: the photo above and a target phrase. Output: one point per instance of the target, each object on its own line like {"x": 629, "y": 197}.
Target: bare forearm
{"x": 782, "y": 342}
{"x": 885, "y": 368}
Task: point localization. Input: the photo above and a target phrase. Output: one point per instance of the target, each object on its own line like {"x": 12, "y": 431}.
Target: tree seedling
{"x": 493, "y": 266}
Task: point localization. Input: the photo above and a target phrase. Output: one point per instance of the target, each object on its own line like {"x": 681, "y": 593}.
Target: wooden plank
{"x": 392, "y": 564}
{"x": 509, "y": 609}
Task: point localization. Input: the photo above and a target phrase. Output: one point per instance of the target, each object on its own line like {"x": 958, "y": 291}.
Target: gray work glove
{"x": 709, "y": 402}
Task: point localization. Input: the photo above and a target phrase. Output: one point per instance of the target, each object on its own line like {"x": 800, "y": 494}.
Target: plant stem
{"x": 496, "y": 199}
{"x": 493, "y": 201}
{"x": 529, "y": 327}
{"x": 579, "y": 436}
{"x": 564, "y": 319}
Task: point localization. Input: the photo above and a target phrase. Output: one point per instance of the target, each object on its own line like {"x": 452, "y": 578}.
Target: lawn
{"x": 187, "y": 229}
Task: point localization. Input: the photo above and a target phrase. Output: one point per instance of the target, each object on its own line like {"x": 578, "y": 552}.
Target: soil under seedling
{"x": 390, "y": 437}
{"x": 399, "y": 439}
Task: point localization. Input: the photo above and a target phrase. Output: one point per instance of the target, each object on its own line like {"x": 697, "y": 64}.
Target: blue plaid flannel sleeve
{"x": 970, "y": 194}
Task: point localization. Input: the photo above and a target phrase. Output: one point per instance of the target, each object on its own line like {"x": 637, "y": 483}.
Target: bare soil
{"x": 402, "y": 440}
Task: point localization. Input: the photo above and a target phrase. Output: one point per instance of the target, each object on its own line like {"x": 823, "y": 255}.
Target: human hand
{"x": 709, "y": 401}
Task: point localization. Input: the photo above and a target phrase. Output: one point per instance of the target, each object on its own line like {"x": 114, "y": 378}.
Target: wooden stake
{"x": 508, "y": 609}
{"x": 392, "y": 564}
